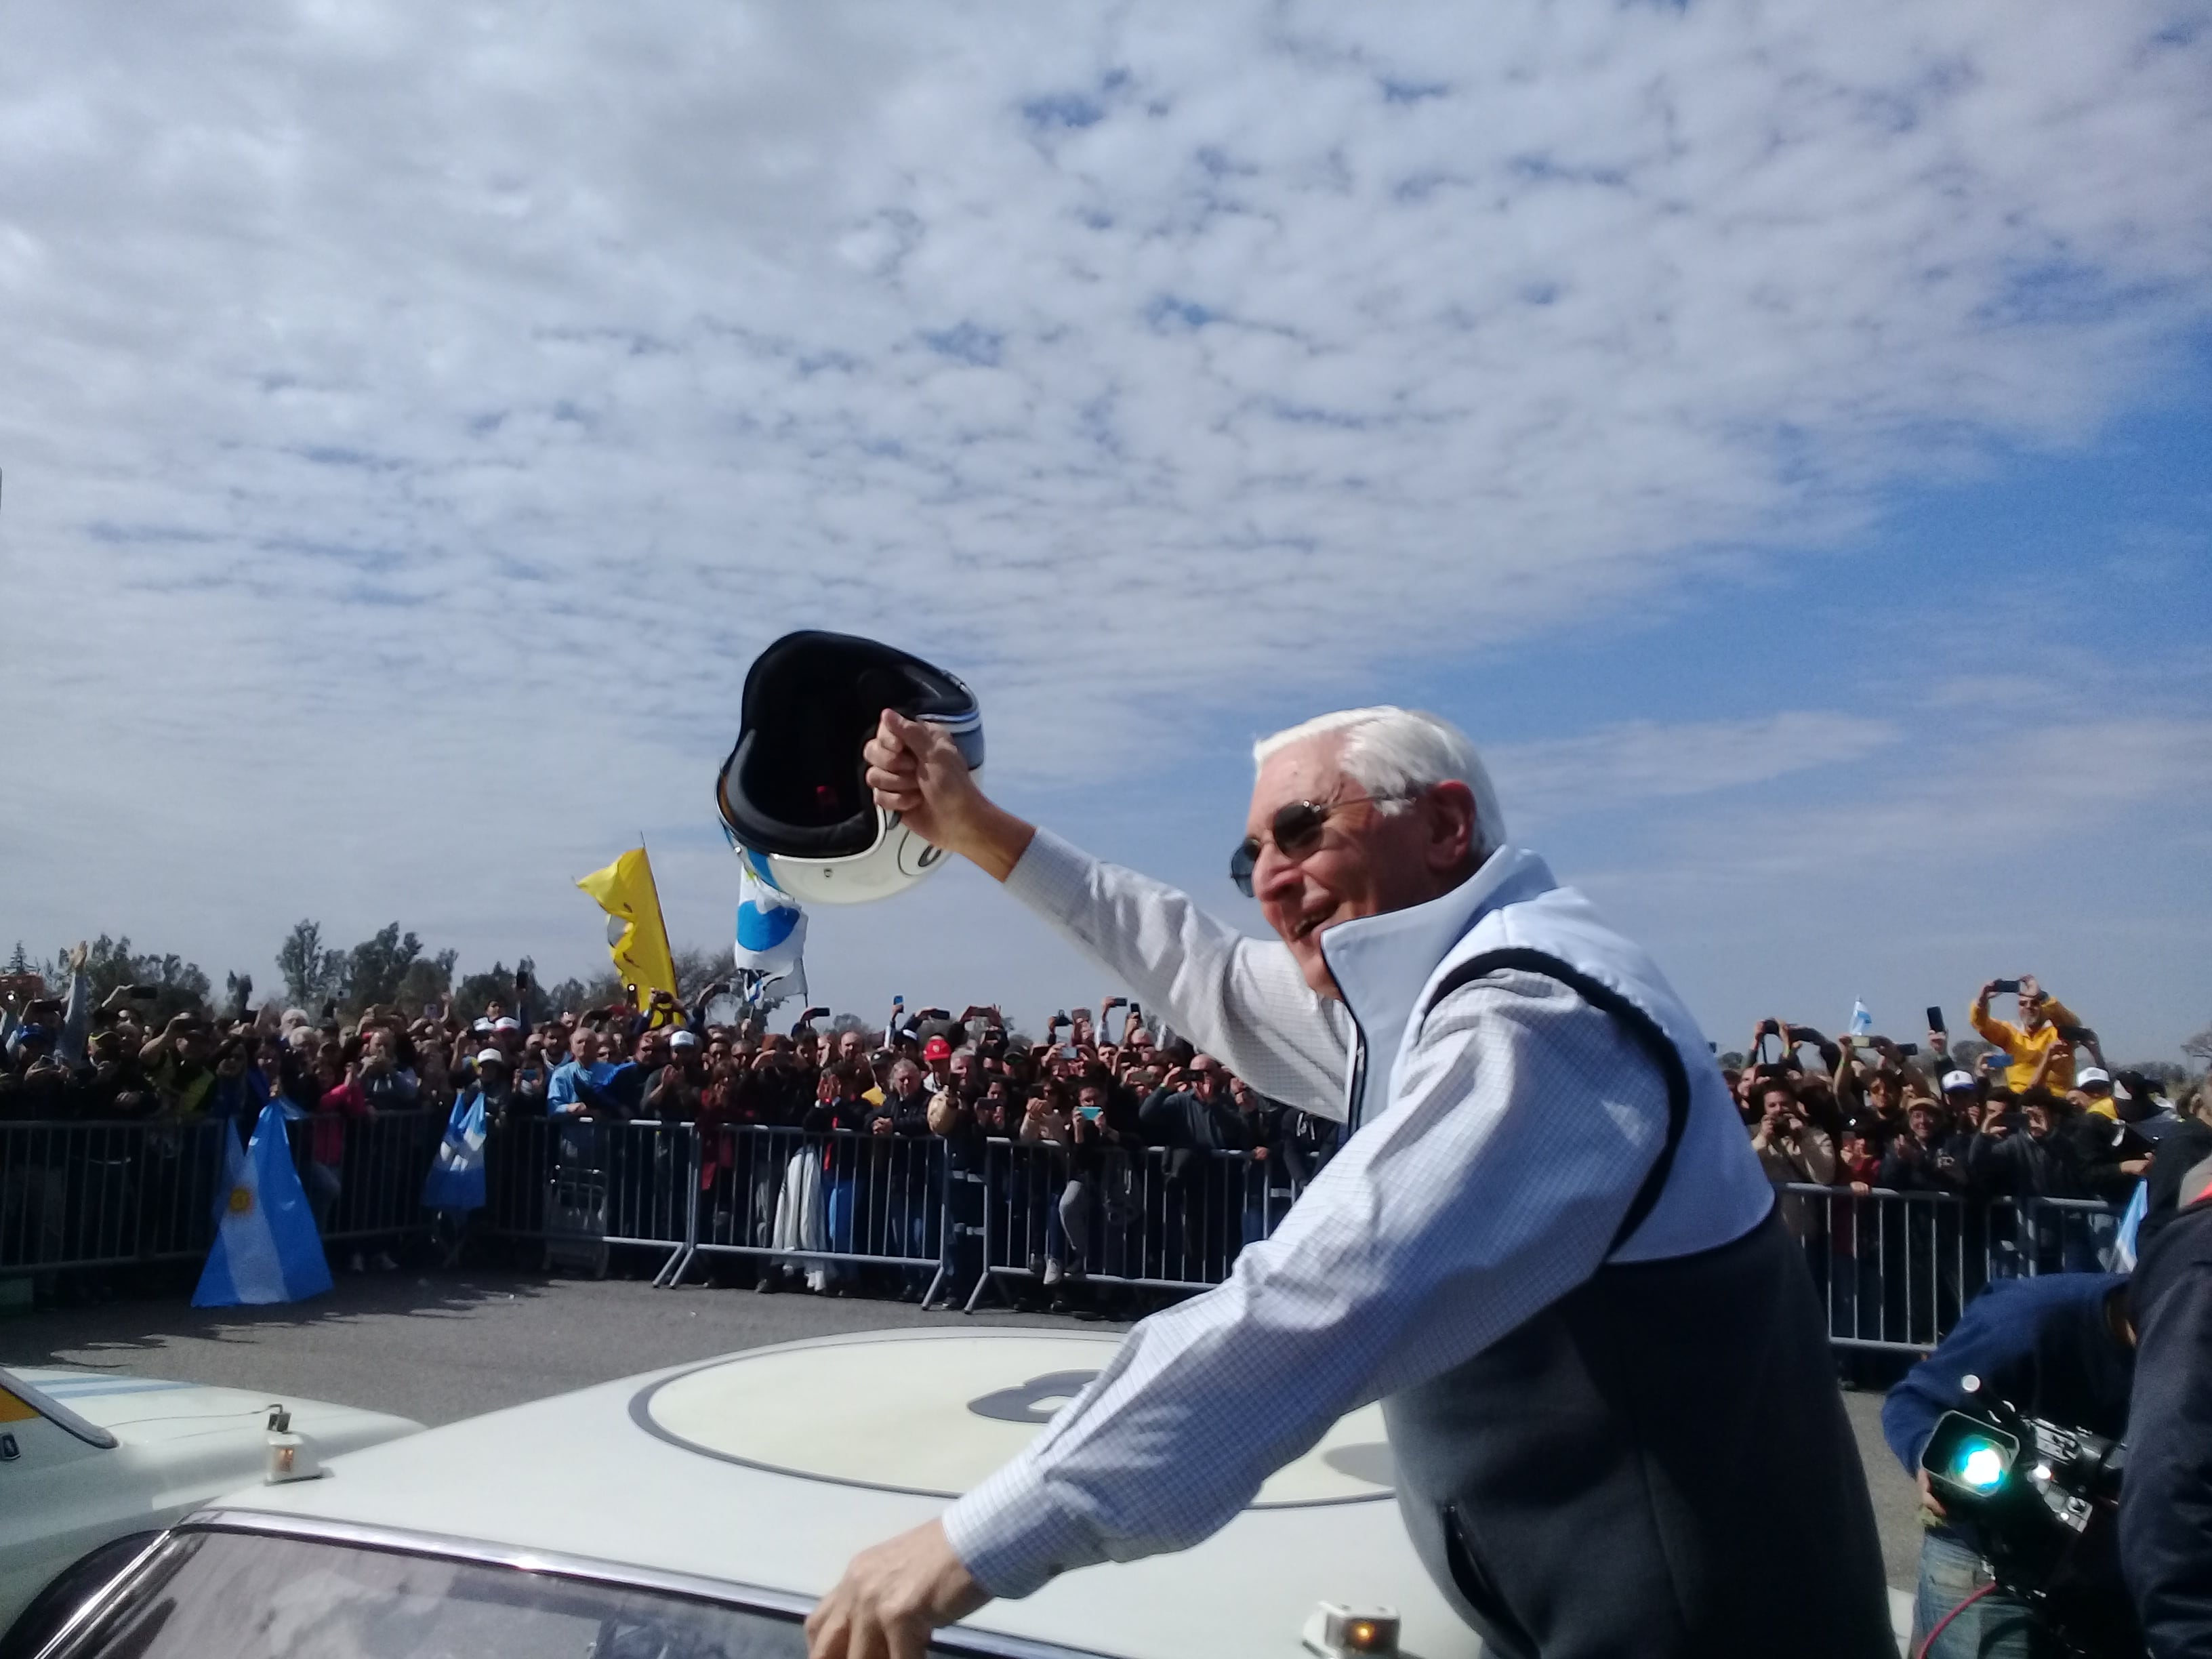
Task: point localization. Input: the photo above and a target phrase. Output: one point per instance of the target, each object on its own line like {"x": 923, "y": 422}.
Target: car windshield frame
{"x": 116, "y": 1597}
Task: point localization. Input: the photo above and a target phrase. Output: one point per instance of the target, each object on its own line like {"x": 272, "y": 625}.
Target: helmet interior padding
{"x": 796, "y": 784}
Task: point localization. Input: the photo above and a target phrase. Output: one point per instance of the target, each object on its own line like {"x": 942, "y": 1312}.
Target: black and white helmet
{"x": 793, "y": 793}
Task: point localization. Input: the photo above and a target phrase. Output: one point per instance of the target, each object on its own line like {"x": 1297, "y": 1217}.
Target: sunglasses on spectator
{"x": 1294, "y": 831}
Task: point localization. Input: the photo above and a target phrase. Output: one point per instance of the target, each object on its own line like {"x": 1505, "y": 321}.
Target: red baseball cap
{"x": 936, "y": 1048}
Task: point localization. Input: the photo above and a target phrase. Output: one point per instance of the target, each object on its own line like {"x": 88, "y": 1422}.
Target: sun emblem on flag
{"x": 241, "y": 1200}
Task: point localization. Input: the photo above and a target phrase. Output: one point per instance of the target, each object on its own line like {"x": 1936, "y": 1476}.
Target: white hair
{"x": 1389, "y": 751}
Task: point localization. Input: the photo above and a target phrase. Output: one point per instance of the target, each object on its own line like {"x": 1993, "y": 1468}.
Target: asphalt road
{"x": 447, "y": 1345}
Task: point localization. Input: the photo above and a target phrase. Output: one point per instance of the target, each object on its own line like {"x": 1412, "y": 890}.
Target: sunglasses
{"x": 1294, "y": 831}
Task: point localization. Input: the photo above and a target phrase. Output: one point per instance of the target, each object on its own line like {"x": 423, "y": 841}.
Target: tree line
{"x": 392, "y": 968}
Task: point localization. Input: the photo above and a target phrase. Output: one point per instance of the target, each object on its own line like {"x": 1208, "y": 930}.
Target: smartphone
{"x": 1069, "y": 1051}
{"x": 898, "y": 1002}
{"x": 2077, "y": 1033}
{"x": 1936, "y": 1018}
{"x": 1090, "y": 1112}
{"x": 1908, "y": 1048}
{"x": 429, "y": 1011}
{"x": 144, "y": 993}
{"x": 2005, "y": 988}
{"x": 814, "y": 1014}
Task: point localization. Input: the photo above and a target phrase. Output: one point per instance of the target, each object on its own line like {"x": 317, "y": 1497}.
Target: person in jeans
{"x": 1103, "y": 1124}
{"x": 901, "y": 1181}
{"x": 2059, "y": 1348}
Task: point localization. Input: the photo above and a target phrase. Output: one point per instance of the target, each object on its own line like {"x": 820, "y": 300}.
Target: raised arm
{"x": 77, "y": 1011}
{"x": 1242, "y": 999}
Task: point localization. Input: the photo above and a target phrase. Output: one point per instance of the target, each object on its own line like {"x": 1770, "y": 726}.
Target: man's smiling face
{"x": 1363, "y": 863}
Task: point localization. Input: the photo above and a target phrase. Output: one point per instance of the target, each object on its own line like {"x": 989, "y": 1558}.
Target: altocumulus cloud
{"x": 414, "y": 417}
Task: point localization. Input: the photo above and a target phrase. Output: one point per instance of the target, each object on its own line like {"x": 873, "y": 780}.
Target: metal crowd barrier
{"x": 364, "y": 1181}
{"x": 1171, "y": 1219}
{"x": 580, "y": 1185}
{"x": 816, "y": 1205}
{"x": 1894, "y": 1269}
{"x": 106, "y": 1195}
{"x": 90, "y": 1196}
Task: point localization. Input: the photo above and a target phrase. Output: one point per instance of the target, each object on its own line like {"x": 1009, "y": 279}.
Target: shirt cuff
{"x": 1052, "y": 877}
{"x": 1011, "y": 1535}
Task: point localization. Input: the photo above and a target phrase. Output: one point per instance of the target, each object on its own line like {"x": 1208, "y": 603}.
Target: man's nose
{"x": 1275, "y": 879}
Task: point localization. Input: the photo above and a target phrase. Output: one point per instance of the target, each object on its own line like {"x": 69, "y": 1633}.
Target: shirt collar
{"x": 1381, "y": 963}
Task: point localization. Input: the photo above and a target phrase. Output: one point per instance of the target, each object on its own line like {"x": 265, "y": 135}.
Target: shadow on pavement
{"x": 112, "y": 1330}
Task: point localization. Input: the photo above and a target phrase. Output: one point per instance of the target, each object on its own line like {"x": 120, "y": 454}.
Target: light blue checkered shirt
{"x": 1466, "y": 1205}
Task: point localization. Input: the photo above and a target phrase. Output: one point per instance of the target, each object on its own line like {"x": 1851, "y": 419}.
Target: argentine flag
{"x": 1862, "y": 1021}
{"x": 266, "y": 1248}
{"x": 771, "y": 930}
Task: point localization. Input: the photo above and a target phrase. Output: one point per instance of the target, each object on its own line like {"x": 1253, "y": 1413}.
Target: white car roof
{"x": 88, "y": 1456}
{"x": 769, "y": 1469}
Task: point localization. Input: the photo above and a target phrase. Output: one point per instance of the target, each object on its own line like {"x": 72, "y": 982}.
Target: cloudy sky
{"x": 1782, "y": 434}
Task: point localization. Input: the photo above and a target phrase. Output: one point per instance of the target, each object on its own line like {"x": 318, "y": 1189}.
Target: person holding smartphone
{"x": 2038, "y": 1053}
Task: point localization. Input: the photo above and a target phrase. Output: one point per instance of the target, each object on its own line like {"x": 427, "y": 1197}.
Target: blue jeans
{"x": 1996, "y": 1627}
{"x": 840, "y": 1211}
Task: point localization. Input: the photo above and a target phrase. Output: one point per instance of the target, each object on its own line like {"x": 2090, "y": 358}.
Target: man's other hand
{"x": 1931, "y": 1507}
{"x": 891, "y": 1597}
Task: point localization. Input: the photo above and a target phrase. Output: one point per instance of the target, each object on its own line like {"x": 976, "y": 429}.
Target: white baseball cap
{"x": 684, "y": 1039}
{"x": 507, "y": 1023}
{"x": 480, "y": 1025}
{"x": 2089, "y": 1074}
{"x": 1957, "y": 1080}
{"x": 491, "y": 1057}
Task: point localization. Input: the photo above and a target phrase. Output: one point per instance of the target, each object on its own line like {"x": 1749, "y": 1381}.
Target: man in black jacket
{"x": 2166, "y": 1500}
{"x": 1193, "y": 1123}
{"x": 2184, "y": 1146}
{"x": 2034, "y": 1156}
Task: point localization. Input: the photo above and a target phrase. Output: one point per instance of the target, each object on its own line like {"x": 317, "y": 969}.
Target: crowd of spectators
{"x": 2026, "y": 1110}
{"x": 1092, "y": 1084}
{"x": 1947, "y": 1162}
{"x": 2035, "y": 1114}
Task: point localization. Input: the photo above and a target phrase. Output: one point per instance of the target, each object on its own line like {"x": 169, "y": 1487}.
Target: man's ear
{"x": 1454, "y": 833}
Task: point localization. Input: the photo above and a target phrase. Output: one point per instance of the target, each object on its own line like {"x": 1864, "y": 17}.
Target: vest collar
{"x": 1382, "y": 962}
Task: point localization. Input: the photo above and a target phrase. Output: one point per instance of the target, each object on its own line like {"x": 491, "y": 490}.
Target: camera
{"x": 2044, "y": 1500}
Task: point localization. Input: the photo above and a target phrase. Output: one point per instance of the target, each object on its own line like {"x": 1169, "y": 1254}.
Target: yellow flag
{"x": 625, "y": 891}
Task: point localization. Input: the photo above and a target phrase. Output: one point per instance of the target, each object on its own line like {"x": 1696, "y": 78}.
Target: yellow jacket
{"x": 2025, "y": 1049}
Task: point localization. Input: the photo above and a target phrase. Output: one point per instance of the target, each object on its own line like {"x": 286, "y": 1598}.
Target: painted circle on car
{"x": 934, "y": 1414}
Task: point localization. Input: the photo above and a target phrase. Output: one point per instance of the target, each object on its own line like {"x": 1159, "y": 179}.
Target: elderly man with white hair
{"x": 1545, "y": 1245}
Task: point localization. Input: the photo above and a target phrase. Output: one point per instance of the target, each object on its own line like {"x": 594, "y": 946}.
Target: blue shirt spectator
{"x": 580, "y": 1087}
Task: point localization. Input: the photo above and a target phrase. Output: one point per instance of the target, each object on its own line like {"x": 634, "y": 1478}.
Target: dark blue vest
{"x": 1658, "y": 1463}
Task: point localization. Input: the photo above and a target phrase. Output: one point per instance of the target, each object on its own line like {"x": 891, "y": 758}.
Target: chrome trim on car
{"x": 952, "y": 1639}
{"x": 96, "y": 1604}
